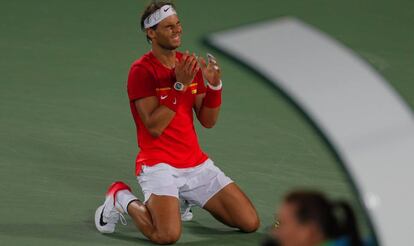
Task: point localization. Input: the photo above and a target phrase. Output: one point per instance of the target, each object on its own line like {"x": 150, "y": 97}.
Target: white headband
{"x": 159, "y": 15}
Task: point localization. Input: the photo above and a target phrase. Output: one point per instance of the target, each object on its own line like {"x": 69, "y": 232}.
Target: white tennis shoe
{"x": 108, "y": 214}
{"x": 185, "y": 210}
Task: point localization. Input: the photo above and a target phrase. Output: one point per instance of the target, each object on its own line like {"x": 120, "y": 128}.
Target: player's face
{"x": 290, "y": 231}
{"x": 168, "y": 33}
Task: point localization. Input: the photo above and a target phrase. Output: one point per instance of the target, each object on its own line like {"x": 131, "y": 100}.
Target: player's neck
{"x": 166, "y": 57}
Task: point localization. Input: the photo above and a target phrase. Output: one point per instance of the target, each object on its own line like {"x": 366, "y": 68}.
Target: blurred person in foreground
{"x": 308, "y": 218}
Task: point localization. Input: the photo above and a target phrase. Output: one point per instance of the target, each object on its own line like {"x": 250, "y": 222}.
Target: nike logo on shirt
{"x": 164, "y": 97}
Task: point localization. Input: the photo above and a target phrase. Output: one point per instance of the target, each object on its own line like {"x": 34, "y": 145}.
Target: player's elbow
{"x": 208, "y": 124}
{"x": 208, "y": 118}
{"x": 154, "y": 132}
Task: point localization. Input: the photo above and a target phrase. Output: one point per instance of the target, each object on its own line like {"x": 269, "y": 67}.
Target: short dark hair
{"x": 313, "y": 206}
{"x": 153, "y": 6}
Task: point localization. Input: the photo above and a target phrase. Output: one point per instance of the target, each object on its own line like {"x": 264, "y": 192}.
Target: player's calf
{"x": 159, "y": 219}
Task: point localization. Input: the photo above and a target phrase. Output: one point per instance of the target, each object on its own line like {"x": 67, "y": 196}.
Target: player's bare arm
{"x": 206, "y": 115}
{"x": 157, "y": 117}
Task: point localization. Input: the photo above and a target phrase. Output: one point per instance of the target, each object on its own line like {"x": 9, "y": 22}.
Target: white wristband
{"x": 216, "y": 87}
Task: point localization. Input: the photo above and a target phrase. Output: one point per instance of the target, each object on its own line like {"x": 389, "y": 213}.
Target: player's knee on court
{"x": 167, "y": 237}
{"x": 250, "y": 224}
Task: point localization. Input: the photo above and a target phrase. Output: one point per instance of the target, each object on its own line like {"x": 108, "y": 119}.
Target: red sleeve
{"x": 141, "y": 83}
{"x": 201, "y": 87}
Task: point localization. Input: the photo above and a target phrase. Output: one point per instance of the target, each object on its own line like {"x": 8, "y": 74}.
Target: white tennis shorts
{"x": 196, "y": 185}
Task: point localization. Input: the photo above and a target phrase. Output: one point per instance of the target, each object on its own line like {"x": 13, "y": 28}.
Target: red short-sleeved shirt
{"x": 178, "y": 144}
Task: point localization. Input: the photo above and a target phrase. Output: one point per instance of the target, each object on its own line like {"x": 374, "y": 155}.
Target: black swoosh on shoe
{"x": 101, "y": 222}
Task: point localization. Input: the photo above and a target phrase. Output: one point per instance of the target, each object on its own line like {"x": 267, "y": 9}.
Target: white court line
{"x": 368, "y": 124}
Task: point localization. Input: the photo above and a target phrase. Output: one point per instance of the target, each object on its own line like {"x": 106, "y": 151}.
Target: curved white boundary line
{"x": 368, "y": 124}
